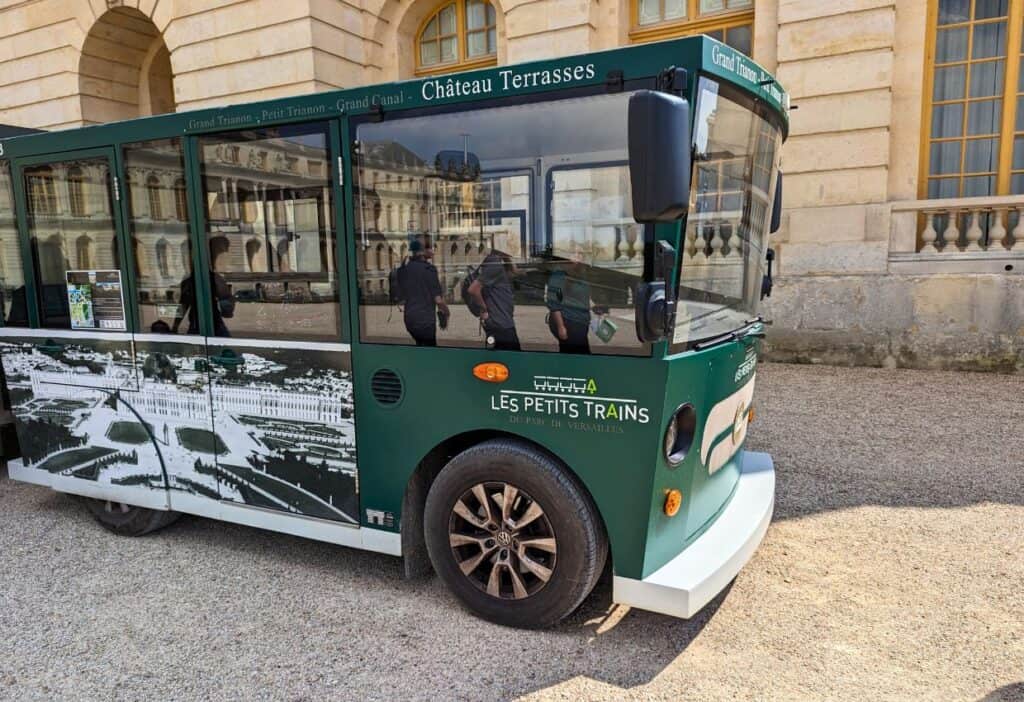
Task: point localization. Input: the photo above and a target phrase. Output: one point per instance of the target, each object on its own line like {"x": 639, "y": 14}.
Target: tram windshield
{"x": 532, "y": 199}
{"x": 736, "y": 154}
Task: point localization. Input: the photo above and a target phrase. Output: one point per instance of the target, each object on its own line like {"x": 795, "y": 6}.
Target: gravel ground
{"x": 893, "y": 570}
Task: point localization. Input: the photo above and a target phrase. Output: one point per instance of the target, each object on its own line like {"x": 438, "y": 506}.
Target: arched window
{"x": 76, "y": 194}
{"x": 457, "y": 36}
{"x": 729, "y": 21}
{"x": 186, "y": 256}
{"x": 42, "y": 198}
{"x": 163, "y": 257}
{"x": 180, "y": 203}
{"x": 153, "y": 197}
{"x": 83, "y": 252}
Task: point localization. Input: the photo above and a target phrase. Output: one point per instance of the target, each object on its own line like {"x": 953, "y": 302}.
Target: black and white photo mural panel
{"x": 73, "y": 398}
{"x": 284, "y": 428}
{"x": 174, "y": 398}
{"x": 275, "y": 429}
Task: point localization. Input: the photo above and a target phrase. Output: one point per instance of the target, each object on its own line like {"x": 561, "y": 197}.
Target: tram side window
{"x": 12, "y": 275}
{"x": 508, "y": 228}
{"x": 71, "y": 227}
{"x": 270, "y": 233}
{"x": 159, "y": 227}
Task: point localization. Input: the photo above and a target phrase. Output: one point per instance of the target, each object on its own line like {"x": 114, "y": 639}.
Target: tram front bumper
{"x": 689, "y": 581}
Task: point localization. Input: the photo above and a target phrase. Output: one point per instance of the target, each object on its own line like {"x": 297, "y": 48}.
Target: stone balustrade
{"x": 982, "y": 225}
{"x": 713, "y": 236}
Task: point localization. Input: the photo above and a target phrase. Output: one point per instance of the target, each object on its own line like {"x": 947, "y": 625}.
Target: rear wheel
{"x": 127, "y": 520}
{"x": 513, "y": 534}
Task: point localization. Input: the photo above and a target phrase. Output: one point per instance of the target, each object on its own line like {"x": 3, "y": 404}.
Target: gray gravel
{"x": 893, "y": 570}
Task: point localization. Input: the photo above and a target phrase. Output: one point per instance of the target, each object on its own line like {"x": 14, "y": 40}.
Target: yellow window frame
{"x": 462, "y": 63}
{"x": 693, "y": 23}
{"x": 1011, "y": 74}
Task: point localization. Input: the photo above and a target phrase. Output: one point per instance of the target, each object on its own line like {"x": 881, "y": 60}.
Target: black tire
{"x": 524, "y": 599}
{"x": 126, "y": 520}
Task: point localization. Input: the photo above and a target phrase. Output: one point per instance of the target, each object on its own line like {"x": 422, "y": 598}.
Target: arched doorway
{"x": 125, "y": 69}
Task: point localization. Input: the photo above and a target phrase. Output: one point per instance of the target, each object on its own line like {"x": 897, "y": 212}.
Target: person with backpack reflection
{"x": 492, "y": 297}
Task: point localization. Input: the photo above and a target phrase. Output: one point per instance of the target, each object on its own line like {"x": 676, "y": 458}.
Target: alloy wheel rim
{"x": 502, "y": 541}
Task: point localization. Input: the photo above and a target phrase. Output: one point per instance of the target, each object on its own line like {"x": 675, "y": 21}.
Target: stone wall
{"x": 850, "y": 287}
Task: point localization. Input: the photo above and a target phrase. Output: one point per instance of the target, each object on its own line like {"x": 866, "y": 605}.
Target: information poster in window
{"x": 96, "y": 300}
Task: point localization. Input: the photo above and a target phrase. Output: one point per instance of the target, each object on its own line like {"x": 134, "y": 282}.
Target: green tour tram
{"x": 500, "y": 323}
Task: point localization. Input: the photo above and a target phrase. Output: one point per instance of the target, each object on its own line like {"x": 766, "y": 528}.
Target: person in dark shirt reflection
{"x": 17, "y": 316}
{"x": 424, "y": 301}
{"x": 492, "y": 291}
{"x": 220, "y": 290}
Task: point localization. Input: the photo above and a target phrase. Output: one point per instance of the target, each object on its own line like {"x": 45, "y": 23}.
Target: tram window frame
{"x": 13, "y": 307}
{"x": 332, "y": 231}
{"x": 143, "y": 194}
{"x": 54, "y": 295}
{"x": 549, "y": 185}
{"x": 539, "y": 209}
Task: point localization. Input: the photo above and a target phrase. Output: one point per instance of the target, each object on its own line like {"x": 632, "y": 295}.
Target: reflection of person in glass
{"x": 421, "y": 288}
{"x": 17, "y": 315}
{"x": 224, "y": 303}
{"x": 568, "y": 301}
{"x": 492, "y": 291}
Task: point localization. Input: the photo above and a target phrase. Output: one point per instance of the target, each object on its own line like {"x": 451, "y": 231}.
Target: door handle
{"x": 50, "y": 347}
{"x": 228, "y": 358}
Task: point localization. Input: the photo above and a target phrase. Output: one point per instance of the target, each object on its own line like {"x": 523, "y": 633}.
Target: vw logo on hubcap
{"x": 504, "y": 538}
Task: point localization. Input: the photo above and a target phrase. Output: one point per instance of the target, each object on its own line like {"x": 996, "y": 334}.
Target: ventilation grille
{"x": 386, "y": 387}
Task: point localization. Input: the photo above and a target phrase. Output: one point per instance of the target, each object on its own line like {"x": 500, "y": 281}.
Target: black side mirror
{"x": 659, "y": 156}
{"x": 777, "y": 206}
{"x": 767, "y": 282}
{"x": 655, "y": 304}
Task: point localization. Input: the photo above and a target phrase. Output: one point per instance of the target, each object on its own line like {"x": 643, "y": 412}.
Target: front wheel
{"x": 127, "y": 520}
{"x": 513, "y": 534}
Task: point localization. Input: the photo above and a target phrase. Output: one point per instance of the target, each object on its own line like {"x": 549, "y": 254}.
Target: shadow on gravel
{"x": 1013, "y": 692}
{"x": 622, "y": 646}
{"x": 848, "y": 437}
{"x": 601, "y": 641}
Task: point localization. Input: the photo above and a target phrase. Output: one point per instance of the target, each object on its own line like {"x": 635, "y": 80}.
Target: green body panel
{"x": 703, "y": 379}
{"x": 616, "y": 453}
{"x": 442, "y": 399}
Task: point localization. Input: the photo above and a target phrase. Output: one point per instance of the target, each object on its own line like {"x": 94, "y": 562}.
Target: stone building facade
{"x": 901, "y": 242}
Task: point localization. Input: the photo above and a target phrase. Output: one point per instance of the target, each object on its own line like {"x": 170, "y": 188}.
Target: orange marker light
{"x": 491, "y": 372}
{"x": 673, "y": 501}
{"x": 750, "y": 415}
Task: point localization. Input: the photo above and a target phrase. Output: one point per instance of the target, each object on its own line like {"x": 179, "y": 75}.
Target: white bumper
{"x": 689, "y": 581}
